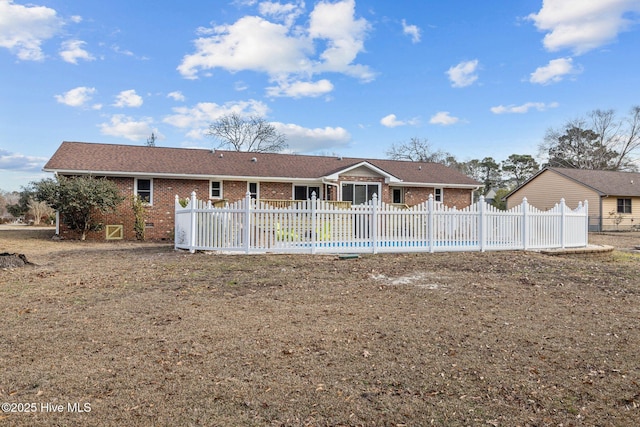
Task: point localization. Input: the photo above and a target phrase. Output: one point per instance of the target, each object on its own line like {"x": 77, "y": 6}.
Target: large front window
{"x": 358, "y": 194}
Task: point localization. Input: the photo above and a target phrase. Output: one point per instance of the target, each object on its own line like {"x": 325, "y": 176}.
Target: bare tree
{"x": 252, "y": 133}
{"x": 602, "y": 142}
{"x": 39, "y": 210}
{"x": 627, "y": 141}
{"x": 418, "y": 150}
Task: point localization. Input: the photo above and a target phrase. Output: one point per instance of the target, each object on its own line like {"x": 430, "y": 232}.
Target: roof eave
{"x": 442, "y": 185}
{"x": 180, "y": 175}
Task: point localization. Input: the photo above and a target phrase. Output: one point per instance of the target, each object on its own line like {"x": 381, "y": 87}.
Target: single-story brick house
{"x": 158, "y": 174}
{"x": 614, "y": 197}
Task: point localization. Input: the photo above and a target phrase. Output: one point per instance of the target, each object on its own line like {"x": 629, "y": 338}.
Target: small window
{"x": 624, "y": 206}
{"x": 216, "y": 190}
{"x": 397, "y": 195}
{"x": 252, "y": 188}
{"x": 144, "y": 190}
{"x": 437, "y": 194}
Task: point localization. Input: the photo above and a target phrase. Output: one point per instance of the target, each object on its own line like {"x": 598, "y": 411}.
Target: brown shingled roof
{"x": 112, "y": 159}
{"x": 607, "y": 183}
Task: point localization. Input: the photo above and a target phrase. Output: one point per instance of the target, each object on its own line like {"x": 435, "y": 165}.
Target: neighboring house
{"x": 614, "y": 197}
{"x": 158, "y": 174}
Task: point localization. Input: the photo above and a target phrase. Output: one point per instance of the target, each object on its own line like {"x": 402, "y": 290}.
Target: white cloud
{"x": 524, "y": 108}
{"x": 23, "y": 29}
{"x": 196, "y": 120}
{"x": 122, "y": 126}
{"x": 128, "y": 98}
{"x": 344, "y": 35}
{"x": 554, "y": 71}
{"x": 284, "y": 51}
{"x": 305, "y": 140}
{"x": 251, "y": 43}
{"x": 443, "y": 118}
{"x": 301, "y": 89}
{"x": 463, "y": 74}
{"x": 19, "y": 162}
{"x": 583, "y": 25}
{"x": 72, "y": 51}
{"x": 411, "y": 30}
{"x": 391, "y": 121}
{"x": 176, "y": 96}
{"x": 286, "y": 13}
{"x": 78, "y": 97}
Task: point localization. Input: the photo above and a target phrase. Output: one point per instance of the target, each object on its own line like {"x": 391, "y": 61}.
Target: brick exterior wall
{"x": 160, "y": 215}
{"x": 456, "y": 197}
{"x": 234, "y": 190}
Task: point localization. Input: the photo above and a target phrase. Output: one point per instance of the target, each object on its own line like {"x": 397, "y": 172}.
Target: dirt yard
{"x": 136, "y": 334}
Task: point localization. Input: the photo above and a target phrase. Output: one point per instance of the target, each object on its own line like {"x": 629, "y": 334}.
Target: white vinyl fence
{"x": 315, "y": 226}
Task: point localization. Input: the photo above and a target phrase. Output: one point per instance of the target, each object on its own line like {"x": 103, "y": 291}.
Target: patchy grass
{"x": 149, "y": 336}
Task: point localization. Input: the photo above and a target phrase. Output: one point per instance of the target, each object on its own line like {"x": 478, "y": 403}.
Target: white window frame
{"x": 401, "y": 190}
{"x": 438, "y": 195}
{"x": 221, "y": 195}
{"x": 318, "y": 195}
{"x": 136, "y": 193}
{"x": 361, "y": 183}
{"x": 257, "y": 188}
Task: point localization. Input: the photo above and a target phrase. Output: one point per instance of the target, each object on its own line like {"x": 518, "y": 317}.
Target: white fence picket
{"x": 315, "y": 226}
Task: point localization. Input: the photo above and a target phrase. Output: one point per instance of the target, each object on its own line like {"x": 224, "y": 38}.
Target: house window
{"x": 216, "y": 190}
{"x": 397, "y": 195}
{"x": 437, "y": 195}
{"x": 358, "y": 194}
{"x": 253, "y": 189}
{"x": 624, "y": 206}
{"x": 304, "y": 192}
{"x": 144, "y": 190}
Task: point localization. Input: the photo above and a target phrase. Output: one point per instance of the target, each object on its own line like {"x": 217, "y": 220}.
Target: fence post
{"x": 430, "y": 223}
{"x": 247, "y": 222}
{"x": 175, "y": 223}
{"x": 586, "y": 220}
{"x": 483, "y": 223}
{"x": 374, "y": 223}
{"x": 314, "y": 236}
{"x": 525, "y": 224}
{"x": 193, "y": 226}
{"x": 563, "y": 218}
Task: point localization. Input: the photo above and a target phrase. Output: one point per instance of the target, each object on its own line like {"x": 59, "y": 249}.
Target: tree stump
{"x": 8, "y": 260}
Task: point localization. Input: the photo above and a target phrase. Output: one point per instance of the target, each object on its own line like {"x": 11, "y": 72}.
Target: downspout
{"x": 606, "y": 196}
{"x": 335, "y": 185}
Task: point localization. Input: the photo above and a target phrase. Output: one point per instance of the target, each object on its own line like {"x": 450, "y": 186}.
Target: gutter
{"x": 243, "y": 178}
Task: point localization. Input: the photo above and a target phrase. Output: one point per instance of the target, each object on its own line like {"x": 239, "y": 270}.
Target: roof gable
{"x": 363, "y": 165}
{"x": 130, "y": 160}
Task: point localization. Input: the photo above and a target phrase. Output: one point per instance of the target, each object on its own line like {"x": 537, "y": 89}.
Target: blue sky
{"x": 349, "y": 77}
